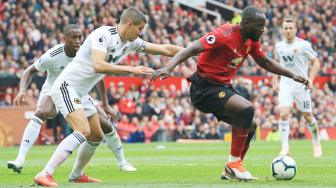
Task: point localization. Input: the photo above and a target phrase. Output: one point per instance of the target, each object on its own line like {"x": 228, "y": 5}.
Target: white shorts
{"x": 67, "y": 100}
{"x": 301, "y": 97}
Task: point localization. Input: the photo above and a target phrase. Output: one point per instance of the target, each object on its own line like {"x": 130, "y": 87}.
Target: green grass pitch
{"x": 180, "y": 165}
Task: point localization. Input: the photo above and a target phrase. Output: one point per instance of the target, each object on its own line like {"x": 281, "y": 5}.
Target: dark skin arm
{"x": 196, "y": 48}
{"x": 24, "y": 83}
{"x": 273, "y": 67}
{"x": 193, "y": 49}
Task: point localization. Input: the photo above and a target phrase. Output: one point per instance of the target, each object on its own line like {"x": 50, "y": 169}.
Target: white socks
{"x": 233, "y": 159}
{"x": 85, "y": 153}
{"x": 29, "y": 137}
{"x": 114, "y": 143}
{"x": 64, "y": 149}
{"x": 284, "y": 133}
{"x": 313, "y": 129}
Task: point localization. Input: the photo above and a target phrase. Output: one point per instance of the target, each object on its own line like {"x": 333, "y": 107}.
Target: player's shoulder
{"x": 228, "y": 29}
{"x": 302, "y": 42}
{"x": 106, "y": 30}
{"x": 280, "y": 44}
{"x": 55, "y": 51}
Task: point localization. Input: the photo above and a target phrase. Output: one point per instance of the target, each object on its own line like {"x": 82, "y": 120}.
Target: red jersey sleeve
{"x": 256, "y": 51}
{"x": 213, "y": 40}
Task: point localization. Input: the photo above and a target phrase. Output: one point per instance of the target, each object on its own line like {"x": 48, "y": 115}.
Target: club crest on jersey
{"x": 221, "y": 94}
{"x": 77, "y": 101}
{"x": 211, "y": 39}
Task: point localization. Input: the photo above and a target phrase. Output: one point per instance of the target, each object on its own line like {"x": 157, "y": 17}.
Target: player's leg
{"x": 303, "y": 101}
{"x": 250, "y": 135}
{"x": 86, "y": 151}
{"x": 113, "y": 141}
{"x": 285, "y": 103}
{"x": 45, "y": 109}
{"x": 284, "y": 129}
{"x": 231, "y": 108}
{"x": 67, "y": 101}
{"x": 239, "y": 113}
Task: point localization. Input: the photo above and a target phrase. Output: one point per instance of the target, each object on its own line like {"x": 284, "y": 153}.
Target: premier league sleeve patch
{"x": 211, "y": 39}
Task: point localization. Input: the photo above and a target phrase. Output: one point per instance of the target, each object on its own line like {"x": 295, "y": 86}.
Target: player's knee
{"x": 246, "y": 117}
{"x": 284, "y": 116}
{"x": 43, "y": 114}
{"x": 253, "y": 127}
{"x": 105, "y": 125}
{"x": 95, "y": 137}
{"x": 85, "y": 131}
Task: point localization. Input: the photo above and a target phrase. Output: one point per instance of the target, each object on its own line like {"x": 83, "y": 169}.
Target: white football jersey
{"x": 80, "y": 75}
{"x": 296, "y": 57}
{"x": 53, "y": 61}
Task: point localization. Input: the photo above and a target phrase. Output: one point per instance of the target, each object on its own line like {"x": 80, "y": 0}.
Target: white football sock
{"x": 85, "y": 153}
{"x": 313, "y": 129}
{"x": 114, "y": 143}
{"x": 233, "y": 159}
{"x": 284, "y": 133}
{"x": 29, "y": 137}
{"x": 64, "y": 149}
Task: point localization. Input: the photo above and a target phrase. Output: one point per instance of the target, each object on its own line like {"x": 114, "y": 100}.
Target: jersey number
{"x": 306, "y": 104}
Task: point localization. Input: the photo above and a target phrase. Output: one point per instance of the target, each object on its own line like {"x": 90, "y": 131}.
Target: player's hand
{"x": 163, "y": 73}
{"x": 110, "y": 112}
{"x": 142, "y": 70}
{"x": 19, "y": 99}
{"x": 302, "y": 80}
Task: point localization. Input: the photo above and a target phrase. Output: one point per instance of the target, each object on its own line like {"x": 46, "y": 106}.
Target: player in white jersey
{"x": 296, "y": 55}
{"x": 54, "y": 61}
{"x": 100, "y": 53}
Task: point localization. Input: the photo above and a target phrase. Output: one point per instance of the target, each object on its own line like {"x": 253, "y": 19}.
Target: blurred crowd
{"x": 29, "y": 28}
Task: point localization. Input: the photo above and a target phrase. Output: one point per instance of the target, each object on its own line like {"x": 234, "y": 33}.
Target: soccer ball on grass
{"x": 283, "y": 168}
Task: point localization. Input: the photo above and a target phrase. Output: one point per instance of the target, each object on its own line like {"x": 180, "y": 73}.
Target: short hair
{"x": 132, "y": 14}
{"x": 251, "y": 12}
{"x": 70, "y": 27}
{"x": 289, "y": 19}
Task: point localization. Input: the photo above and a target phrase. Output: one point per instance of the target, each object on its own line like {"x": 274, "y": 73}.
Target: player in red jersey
{"x": 222, "y": 52}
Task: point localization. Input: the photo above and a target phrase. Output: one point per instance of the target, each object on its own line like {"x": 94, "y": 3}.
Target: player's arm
{"x": 273, "y": 67}
{"x": 101, "y": 66}
{"x": 193, "y": 49}
{"x": 105, "y": 106}
{"x": 314, "y": 69}
{"x": 275, "y": 80}
{"x": 24, "y": 83}
{"x": 162, "y": 49}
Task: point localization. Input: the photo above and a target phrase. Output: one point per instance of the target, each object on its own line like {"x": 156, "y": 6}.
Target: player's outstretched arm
{"x": 316, "y": 66}
{"x": 162, "y": 49}
{"x": 101, "y": 66}
{"x": 24, "y": 83}
{"x": 194, "y": 49}
{"x": 271, "y": 66}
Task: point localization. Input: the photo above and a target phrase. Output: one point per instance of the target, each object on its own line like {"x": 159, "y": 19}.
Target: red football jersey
{"x": 224, "y": 52}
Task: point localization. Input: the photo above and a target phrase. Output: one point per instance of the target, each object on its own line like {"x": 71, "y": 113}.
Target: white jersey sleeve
{"x": 138, "y": 45}
{"x": 43, "y": 62}
{"x": 308, "y": 51}
{"x": 100, "y": 42}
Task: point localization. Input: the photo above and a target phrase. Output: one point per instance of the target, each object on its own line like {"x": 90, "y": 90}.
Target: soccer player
{"x": 54, "y": 61}
{"x": 296, "y": 55}
{"x": 100, "y": 53}
{"x": 222, "y": 52}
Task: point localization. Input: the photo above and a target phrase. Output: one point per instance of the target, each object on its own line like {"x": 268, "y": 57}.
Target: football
{"x": 283, "y": 168}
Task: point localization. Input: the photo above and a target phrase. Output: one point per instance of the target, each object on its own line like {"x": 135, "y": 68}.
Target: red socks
{"x": 239, "y": 137}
